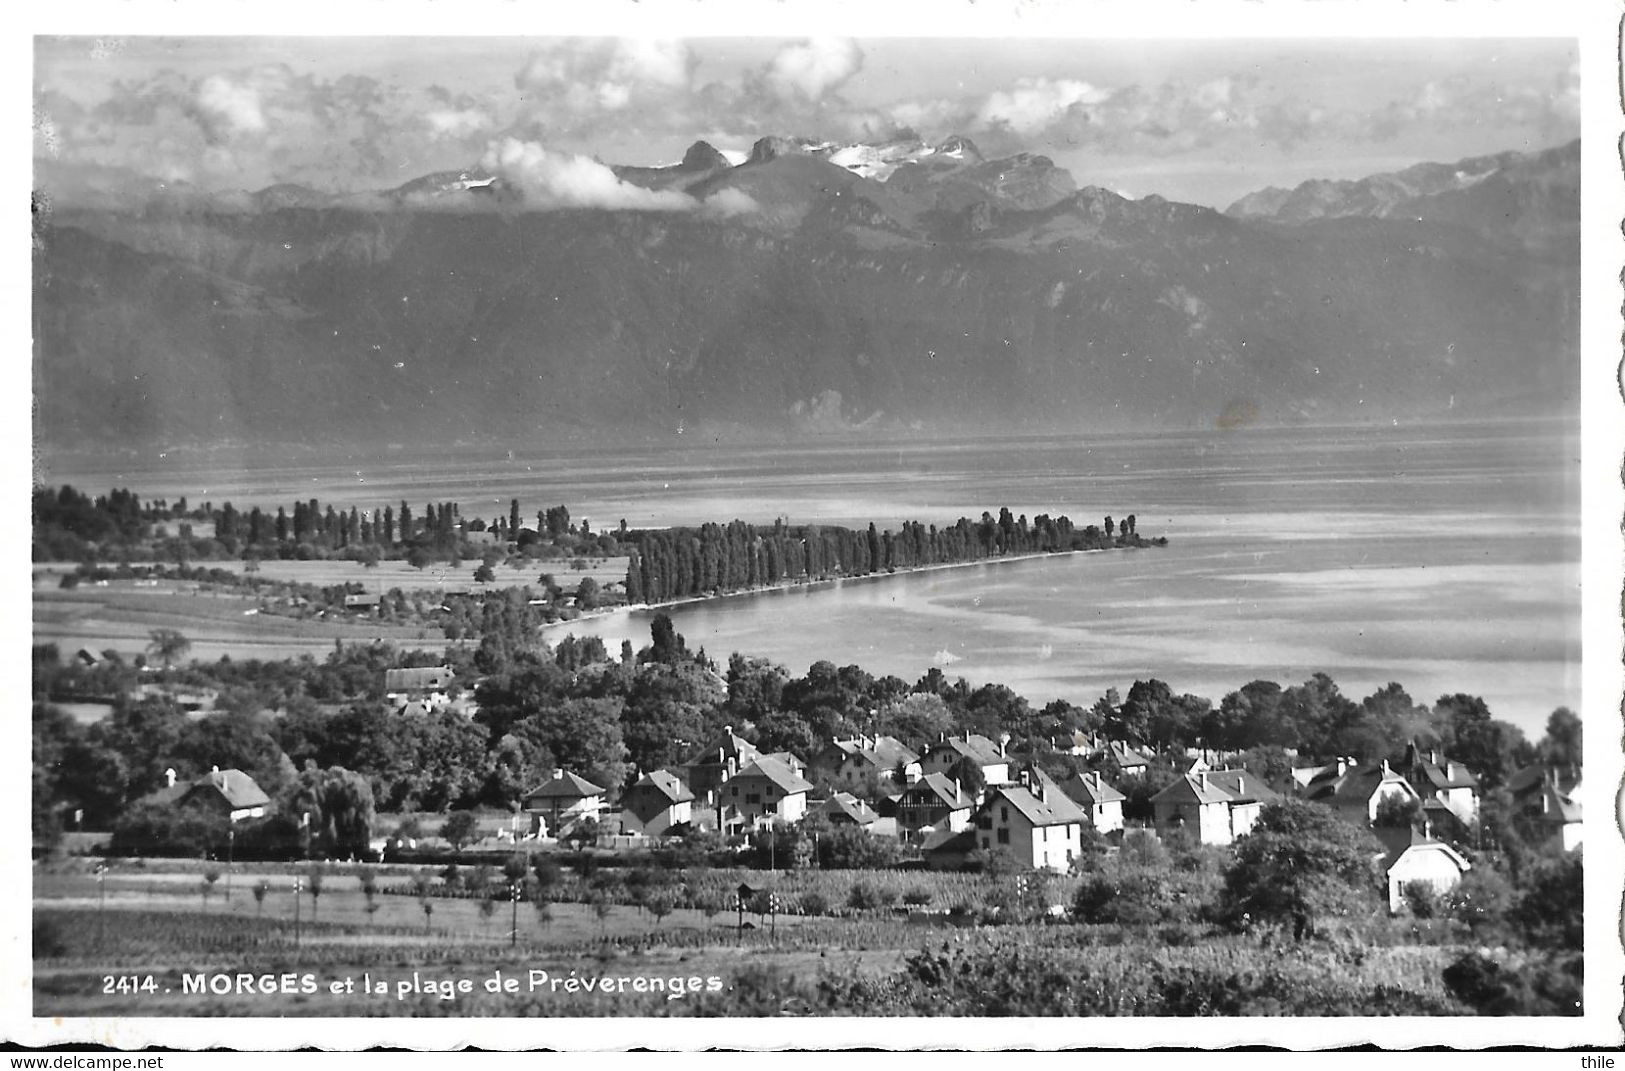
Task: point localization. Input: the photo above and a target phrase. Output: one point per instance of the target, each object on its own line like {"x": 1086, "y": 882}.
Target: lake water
{"x": 1446, "y": 558}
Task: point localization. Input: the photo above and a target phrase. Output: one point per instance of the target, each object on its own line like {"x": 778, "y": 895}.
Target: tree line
{"x": 676, "y": 563}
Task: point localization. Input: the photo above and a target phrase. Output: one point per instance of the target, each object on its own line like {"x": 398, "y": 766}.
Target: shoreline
{"x": 797, "y": 585}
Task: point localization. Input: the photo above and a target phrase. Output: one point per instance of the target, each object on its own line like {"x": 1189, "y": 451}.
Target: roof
{"x": 1192, "y": 788}
{"x": 1244, "y": 786}
{"x": 771, "y": 769}
{"x": 1554, "y": 807}
{"x": 666, "y": 784}
{"x": 422, "y": 677}
{"x": 1420, "y": 842}
{"x": 238, "y": 788}
{"x": 849, "y": 805}
{"x": 1053, "y": 809}
{"x": 1126, "y": 757}
{"x": 979, "y": 749}
{"x": 564, "y": 785}
{"x": 362, "y": 600}
{"x": 882, "y": 752}
{"x": 1091, "y": 790}
{"x": 728, "y": 743}
{"x": 949, "y": 841}
{"x": 1525, "y": 780}
{"x": 1354, "y": 786}
{"x": 938, "y": 788}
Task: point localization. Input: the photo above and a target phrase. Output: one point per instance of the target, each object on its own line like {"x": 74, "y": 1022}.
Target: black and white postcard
{"x": 772, "y": 522}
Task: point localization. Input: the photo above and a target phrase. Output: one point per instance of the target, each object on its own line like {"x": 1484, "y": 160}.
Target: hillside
{"x": 957, "y": 292}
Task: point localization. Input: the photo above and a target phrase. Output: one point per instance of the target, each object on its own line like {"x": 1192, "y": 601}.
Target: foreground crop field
{"x": 156, "y": 945}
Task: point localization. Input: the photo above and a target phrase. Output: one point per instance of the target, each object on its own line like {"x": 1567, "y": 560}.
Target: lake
{"x": 1444, "y": 557}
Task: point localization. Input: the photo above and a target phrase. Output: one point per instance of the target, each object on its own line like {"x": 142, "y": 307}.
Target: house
{"x": 1197, "y": 805}
{"x": 1415, "y": 859}
{"x": 427, "y": 686}
{"x": 865, "y": 760}
{"x": 1033, "y": 820}
{"x": 87, "y": 658}
{"x": 845, "y": 809}
{"x": 561, "y": 803}
{"x": 1101, "y": 803}
{"x": 1131, "y": 762}
{"x": 658, "y": 801}
{"x": 1248, "y": 794}
{"x": 934, "y": 802}
{"x": 715, "y": 763}
{"x": 1355, "y": 792}
{"x": 228, "y": 792}
{"x": 1444, "y": 786}
{"x": 367, "y": 604}
{"x": 947, "y": 849}
{"x": 1550, "y": 796}
{"x": 764, "y": 792}
{"x": 949, "y": 751}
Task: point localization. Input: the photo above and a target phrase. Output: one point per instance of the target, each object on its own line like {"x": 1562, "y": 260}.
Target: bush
{"x": 813, "y": 902}
{"x": 918, "y": 896}
{"x": 1537, "y": 987}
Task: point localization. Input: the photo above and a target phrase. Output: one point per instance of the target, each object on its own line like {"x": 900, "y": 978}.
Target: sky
{"x": 1202, "y": 120}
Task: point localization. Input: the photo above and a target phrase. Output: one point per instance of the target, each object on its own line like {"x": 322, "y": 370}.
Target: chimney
{"x": 1433, "y": 756}
{"x": 1004, "y": 740}
{"x": 1202, "y": 777}
{"x": 942, "y": 738}
{"x": 1342, "y": 767}
{"x": 558, "y": 773}
{"x": 1546, "y": 802}
{"x": 967, "y": 736}
{"x": 1385, "y": 768}
{"x": 956, "y": 790}
{"x": 169, "y": 777}
{"x": 1241, "y": 784}
{"x": 727, "y": 730}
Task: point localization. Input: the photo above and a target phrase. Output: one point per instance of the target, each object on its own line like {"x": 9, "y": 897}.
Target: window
{"x": 1004, "y": 836}
{"x": 752, "y": 798}
{"x": 984, "y": 821}
{"x": 986, "y": 843}
{"x": 1004, "y": 814}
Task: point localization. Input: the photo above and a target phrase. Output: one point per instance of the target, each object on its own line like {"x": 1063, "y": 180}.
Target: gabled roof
{"x": 881, "y": 752}
{"x": 238, "y": 788}
{"x": 1191, "y": 788}
{"x": 771, "y": 769}
{"x": 1354, "y": 786}
{"x": 1053, "y": 809}
{"x": 1242, "y": 785}
{"x": 849, "y": 805}
{"x": 666, "y": 784}
{"x": 979, "y": 749}
{"x": 729, "y": 743}
{"x": 1419, "y": 842}
{"x": 950, "y": 842}
{"x": 936, "y": 788}
{"x": 418, "y": 677}
{"x": 1526, "y": 780}
{"x": 1091, "y": 790}
{"x": 565, "y": 785}
{"x": 1127, "y": 758}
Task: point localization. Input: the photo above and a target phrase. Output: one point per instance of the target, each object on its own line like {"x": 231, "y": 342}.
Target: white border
{"x": 1594, "y": 24}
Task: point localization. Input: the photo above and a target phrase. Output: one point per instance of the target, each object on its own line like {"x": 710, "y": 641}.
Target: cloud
{"x": 236, "y": 106}
{"x": 813, "y": 68}
{"x": 608, "y": 74}
{"x": 457, "y": 122}
{"x": 1035, "y": 103}
{"x": 730, "y": 202}
{"x": 551, "y": 179}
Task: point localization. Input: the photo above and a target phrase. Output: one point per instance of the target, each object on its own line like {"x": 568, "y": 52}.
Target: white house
{"x": 1032, "y": 820}
{"x": 562, "y": 802}
{"x": 1421, "y": 861}
{"x": 1102, "y": 804}
{"x": 942, "y": 756}
{"x": 764, "y": 792}
{"x": 655, "y": 803}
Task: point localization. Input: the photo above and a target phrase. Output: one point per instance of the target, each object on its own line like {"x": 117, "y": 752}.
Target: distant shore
{"x": 830, "y": 581}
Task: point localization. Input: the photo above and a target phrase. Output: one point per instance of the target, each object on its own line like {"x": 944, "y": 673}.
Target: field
{"x": 155, "y": 934}
{"x": 121, "y": 615}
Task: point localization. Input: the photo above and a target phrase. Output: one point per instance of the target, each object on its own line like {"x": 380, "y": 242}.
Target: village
{"x": 961, "y": 801}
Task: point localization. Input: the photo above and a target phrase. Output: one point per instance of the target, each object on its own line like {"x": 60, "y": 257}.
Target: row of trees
{"x": 70, "y": 526}
{"x": 681, "y": 562}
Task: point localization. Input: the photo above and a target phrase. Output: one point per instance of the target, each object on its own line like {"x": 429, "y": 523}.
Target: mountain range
{"x": 814, "y": 288}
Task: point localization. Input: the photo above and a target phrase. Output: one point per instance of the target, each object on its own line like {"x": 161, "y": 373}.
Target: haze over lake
{"x": 1446, "y": 558}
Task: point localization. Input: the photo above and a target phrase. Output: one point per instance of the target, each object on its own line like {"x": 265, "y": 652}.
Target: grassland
{"x": 121, "y": 615}
{"x": 153, "y": 928}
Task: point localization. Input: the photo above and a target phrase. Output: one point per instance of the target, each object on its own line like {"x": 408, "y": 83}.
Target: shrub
{"x": 813, "y": 902}
{"x": 918, "y": 896}
{"x": 1537, "y": 987}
